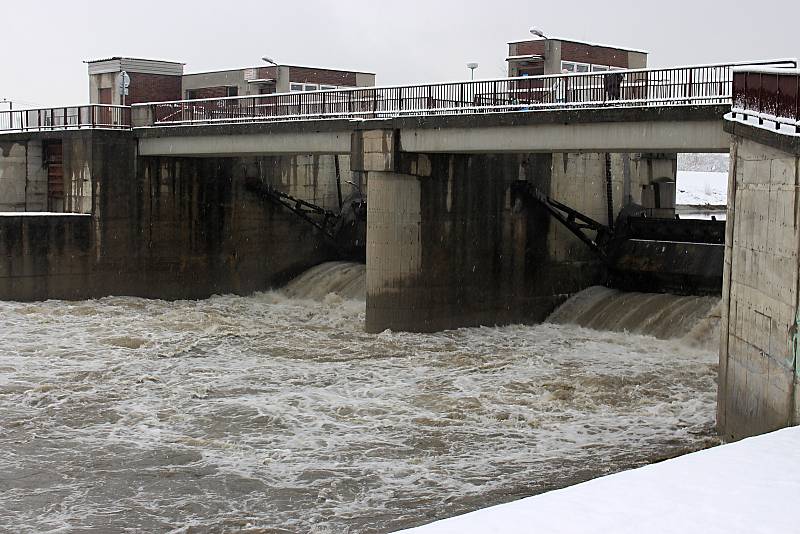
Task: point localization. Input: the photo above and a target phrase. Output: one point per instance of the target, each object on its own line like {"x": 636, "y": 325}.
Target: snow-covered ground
{"x": 750, "y": 486}
{"x": 699, "y": 188}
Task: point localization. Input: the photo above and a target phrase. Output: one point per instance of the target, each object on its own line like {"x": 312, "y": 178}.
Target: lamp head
{"x": 538, "y": 33}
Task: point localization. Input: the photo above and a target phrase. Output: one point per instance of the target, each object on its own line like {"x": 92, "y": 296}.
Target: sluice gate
{"x": 345, "y": 229}
{"x": 643, "y": 253}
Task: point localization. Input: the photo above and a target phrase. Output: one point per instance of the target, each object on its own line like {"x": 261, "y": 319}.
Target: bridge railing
{"x": 767, "y": 95}
{"x": 701, "y": 84}
{"x": 66, "y": 118}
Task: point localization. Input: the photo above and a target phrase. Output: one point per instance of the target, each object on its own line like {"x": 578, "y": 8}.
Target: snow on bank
{"x": 699, "y": 188}
{"x": 750, "y": 486}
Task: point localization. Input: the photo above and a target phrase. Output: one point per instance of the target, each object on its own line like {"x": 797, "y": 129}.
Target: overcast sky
{"x": 403, "y": 41}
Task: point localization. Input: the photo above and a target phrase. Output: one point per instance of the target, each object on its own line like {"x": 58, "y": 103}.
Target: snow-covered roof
{"x": 281, "y": 65}
{"x": 526, "y": 57}
{"x": 133, "y": 64}
{"x": 768, "y": 70}
{"x": 581, "y": 42}
{"x": 119, "y": 58}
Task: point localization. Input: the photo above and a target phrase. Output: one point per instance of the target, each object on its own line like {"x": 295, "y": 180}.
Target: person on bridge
{"x": 560, "y": 88}
{"x": 612, "y": 83}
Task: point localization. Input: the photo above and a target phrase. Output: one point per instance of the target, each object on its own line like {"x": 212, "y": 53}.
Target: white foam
{"x": 280, "y": 412}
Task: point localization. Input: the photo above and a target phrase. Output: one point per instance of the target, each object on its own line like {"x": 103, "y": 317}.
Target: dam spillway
{"x": 280, "y": 412}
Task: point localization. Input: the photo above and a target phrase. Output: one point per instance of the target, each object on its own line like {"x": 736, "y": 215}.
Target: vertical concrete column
{"x": 394, "y": 218}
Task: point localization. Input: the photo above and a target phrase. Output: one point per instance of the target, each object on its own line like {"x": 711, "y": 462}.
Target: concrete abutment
{"x": 758, "y": 373}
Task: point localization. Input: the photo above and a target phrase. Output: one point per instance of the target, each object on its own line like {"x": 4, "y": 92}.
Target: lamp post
{"x": 536, "y": 32}
{"x": 270, "y": 61}
{"x": 472, "y": 66}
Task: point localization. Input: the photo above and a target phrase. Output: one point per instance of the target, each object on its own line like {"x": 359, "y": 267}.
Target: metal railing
{"x": 66, "y": 118}
{"x": 767, "y": 95}
{"x": 691, "y": 85}
{"x": 702, "y": 84}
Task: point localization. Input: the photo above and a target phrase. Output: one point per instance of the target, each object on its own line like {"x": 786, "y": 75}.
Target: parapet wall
{"x": 758, "y": 374}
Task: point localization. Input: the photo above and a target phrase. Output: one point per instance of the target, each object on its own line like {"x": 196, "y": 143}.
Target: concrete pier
{"x": 758, "y": 373}
{"x": 449, "y": 244}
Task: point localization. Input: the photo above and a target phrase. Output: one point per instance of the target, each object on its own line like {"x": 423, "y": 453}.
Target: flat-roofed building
{"x": 156, "y": 80}
{"x": 270, "y": 79}
{"x": 532, "y": 57}
{"x": 151, "y": 80}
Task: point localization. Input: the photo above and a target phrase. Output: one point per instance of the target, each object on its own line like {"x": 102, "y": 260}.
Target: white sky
{"x": 402, "y": 41}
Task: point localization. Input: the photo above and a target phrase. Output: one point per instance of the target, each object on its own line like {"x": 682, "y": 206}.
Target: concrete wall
{"x": 23, "y": 176}
{"x": 308, "y": 177}
{"x": 217, "y": 79}
{"x": 45, "y": 256}
{"x": 162, "y": 227}
{"x": 758, "y": 374}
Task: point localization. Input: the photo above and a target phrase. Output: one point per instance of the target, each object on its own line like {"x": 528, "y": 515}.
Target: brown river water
{"x": 276, "y": 413}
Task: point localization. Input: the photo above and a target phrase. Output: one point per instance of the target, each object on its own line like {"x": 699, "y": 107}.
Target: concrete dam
{"x": 500, "y": 239}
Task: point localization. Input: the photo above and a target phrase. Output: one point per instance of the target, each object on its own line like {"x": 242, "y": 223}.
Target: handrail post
{"x": 777, "y": 100}
{"x": 797, "y": 105}
{"x": 760, "y": 105}
{"x": 530, "y": 93}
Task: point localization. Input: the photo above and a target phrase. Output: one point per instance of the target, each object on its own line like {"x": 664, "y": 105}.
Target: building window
{"x": 599, "y": 68}
{"x": 233, "y": 91}
{"x": 327, "y": 87}
{"x": 572, "y": 66}
{"x": 295, "y": 86}
{"x": 310, "y": 87}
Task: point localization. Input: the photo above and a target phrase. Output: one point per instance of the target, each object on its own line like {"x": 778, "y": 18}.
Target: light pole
{"x": 270, "y": 61}
{"x": 472, "y": 66}
{"x": 538, "y": 33}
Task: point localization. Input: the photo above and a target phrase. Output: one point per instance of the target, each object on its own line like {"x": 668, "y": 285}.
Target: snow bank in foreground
{"x": 746, "y": 487}
{"x": 698, "y": 188}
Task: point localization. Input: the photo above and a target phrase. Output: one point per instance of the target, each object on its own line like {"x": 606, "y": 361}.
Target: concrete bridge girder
{"x": 247, "y": 144}
{"x": 647, "y": 136}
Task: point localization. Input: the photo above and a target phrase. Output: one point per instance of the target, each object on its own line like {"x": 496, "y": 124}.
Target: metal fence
{"x": 703, "y": 84}
{"x": 697, "y": 85}
{"x": 768, "y": 95}
{"x": 66, "y": 118}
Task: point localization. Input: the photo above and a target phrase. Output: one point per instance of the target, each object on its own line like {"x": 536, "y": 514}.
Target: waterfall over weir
{"x": 692, "y": 319}
{"x": 346, "y": 279}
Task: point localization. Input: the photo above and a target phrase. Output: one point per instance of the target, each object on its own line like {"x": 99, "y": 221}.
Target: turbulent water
{"x": 277, "y": 413}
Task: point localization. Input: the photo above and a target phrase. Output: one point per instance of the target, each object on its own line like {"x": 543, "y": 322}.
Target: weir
{"x": 170, "y": 205}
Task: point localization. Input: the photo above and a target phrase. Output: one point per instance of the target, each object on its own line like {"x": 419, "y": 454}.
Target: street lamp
{"x": 538, "y": 33}
{"x": 269, "y": 60}
{"x": 472, "y": 66}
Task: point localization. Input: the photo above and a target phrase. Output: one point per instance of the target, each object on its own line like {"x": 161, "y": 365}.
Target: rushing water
{"x": 277, "y": 413}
